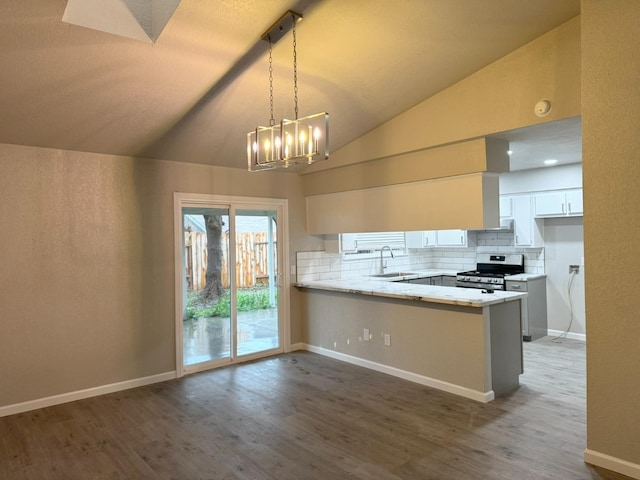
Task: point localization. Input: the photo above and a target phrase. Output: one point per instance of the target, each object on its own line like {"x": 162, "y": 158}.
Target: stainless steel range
{"x": 491, "y": 270}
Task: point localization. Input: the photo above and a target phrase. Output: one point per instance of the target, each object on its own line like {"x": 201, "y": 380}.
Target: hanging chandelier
{"x": 301, "y": 141}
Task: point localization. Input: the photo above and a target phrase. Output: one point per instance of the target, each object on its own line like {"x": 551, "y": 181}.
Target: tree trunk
{"x": 213, "y": 287}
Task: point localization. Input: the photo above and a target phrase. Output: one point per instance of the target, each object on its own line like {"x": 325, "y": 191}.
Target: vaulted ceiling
{"x": 194, "y": 94}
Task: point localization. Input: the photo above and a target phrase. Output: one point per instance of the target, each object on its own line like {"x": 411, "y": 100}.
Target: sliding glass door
{"x": 228, "y": 287}
{"x": 257, "y": 279}
{"x": 207, "y": 321}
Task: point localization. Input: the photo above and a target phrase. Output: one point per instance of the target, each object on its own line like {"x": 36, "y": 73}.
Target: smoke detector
{"x": 542, "y": 108}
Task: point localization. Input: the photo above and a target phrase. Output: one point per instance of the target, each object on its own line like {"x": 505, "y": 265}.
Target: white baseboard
{"x": 476, "y": 395}
{"x": 81, "y": 394}
{"x": 297, "y": 346}
{"x": 574, "y": 336}
{"x": 612, "y": 463}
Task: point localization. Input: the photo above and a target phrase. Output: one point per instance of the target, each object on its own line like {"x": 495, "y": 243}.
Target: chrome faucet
{"x": 382, "y": 264}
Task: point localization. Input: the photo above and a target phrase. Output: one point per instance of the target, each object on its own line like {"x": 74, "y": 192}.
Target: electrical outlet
{"x": 387, "y": 340}
{"x": 365, "y": 334}
{"x": 574, "y": 268}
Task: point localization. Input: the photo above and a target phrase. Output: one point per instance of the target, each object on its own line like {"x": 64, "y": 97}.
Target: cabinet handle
{"x": 563, "y": 208}
{"x": 461, "y": 239}
{"x": 515, "y": 287}
{"x": 569, "y": 208}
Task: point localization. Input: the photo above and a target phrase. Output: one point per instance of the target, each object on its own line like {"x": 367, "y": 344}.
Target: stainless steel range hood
{"x": 506, "y": 225}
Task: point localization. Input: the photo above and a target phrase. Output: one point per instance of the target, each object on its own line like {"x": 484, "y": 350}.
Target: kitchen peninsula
{"x": 459, "y": 340}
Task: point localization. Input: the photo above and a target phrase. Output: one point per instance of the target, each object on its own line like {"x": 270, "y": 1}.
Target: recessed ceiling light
{"x": 551, "y": 161}
{"x": 509, "y": 152}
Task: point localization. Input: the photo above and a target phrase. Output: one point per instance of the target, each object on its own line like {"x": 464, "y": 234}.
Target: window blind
{"x": 377, "y": 240}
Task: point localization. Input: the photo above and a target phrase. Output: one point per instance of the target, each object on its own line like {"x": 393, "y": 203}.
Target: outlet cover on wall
{"x": 387, "y": 340}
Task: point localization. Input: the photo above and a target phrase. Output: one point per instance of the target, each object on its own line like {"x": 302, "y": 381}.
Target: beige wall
{"x": 425, "y": 337}
{"x": 497, "y": 98}
{"x": 87, "y": 277}
{"x": 463, "y": 201}
{"x": 460, "y": 158}
{"x": 611, "y": 171}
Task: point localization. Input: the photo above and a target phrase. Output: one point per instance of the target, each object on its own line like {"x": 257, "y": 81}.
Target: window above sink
{"x": 367, "y": 244}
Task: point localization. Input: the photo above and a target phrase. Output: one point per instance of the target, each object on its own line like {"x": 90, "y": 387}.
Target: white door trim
{"x": 180, "y": 200}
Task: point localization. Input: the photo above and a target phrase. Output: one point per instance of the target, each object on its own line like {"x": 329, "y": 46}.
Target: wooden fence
{"x": 252, "y": 254}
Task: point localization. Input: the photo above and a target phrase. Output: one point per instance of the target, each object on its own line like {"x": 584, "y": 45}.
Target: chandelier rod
{"x": 295, "y": 68}
{"x": 272, "y": 120}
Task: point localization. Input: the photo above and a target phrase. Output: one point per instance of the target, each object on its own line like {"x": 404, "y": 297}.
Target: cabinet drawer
{"x": 515, "y": 286}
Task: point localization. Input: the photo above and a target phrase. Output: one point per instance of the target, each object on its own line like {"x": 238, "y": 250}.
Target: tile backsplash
{"x": 319, "y": 265}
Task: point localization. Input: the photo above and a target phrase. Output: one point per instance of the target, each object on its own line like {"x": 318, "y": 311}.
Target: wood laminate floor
{"x": 303, "y": 416}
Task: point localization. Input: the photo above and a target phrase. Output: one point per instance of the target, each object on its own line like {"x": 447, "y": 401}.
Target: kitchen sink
{"x": 393, "y": 274}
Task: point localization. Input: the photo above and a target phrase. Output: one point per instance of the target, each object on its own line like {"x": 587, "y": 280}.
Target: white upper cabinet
{"x": 574, "y": 202}
{"x": 549, "y": 204}
{"x": 558, "y": 204}
{"x": 506, "y": 207}
{"x": 527, "y": 230}
{"x": 340, "y": 243}
{"x": 421, "y": 239}
{"x": 451, "y": 238}
{"x": 436, "y": 238}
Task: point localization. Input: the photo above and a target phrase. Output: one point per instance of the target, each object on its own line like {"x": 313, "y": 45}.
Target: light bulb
{"x": 277, "y": 143}
{"x": 316, "y": 138}
{"x": 302, "y": 141}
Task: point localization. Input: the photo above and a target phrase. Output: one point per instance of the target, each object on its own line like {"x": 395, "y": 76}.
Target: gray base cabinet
{"x": 441, "y": 280}
{"x": 534, "y": 307}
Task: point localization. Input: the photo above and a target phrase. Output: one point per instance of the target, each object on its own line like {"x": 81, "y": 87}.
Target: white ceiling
{"x": 531, "y": 146}
{"x": 194, "y": 94}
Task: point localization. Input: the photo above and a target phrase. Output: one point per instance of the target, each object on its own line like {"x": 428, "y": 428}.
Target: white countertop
{"x": 470, "y": 297}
